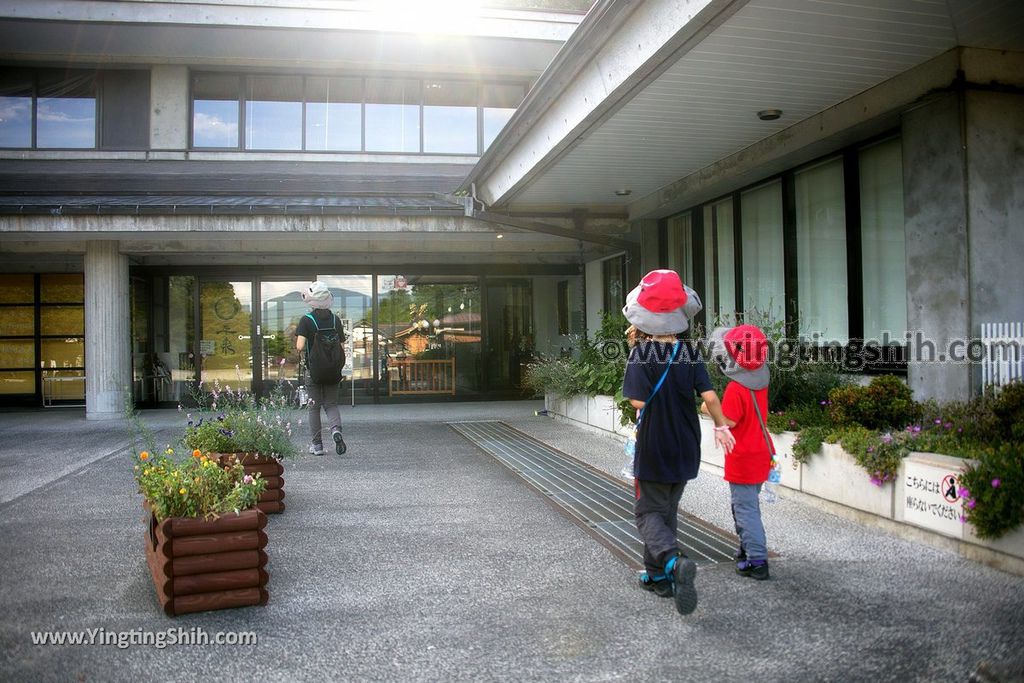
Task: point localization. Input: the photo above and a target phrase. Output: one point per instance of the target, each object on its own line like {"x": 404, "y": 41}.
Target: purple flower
{"x": 963, "y": 520}
{"x": 247, "y": 479}
{"x": 871, "y": 449}
{"x": 996, "y": 483}
{"x": 959, "y": 429}
{"x": 917, "y": 429}
{"x": 824, "y": 403}
{"x": 962, "y": 492}
{"x": 948, "y": 425}
{"x": 938, "y": 421}
{"x": 876, "y": 481}
{"x": 971, "y": 503}
{"x": 887, "y": 438}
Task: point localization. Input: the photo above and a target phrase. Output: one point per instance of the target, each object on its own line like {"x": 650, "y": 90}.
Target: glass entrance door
{"x": 226, "y": 333}
{"x": 509, "y": 327}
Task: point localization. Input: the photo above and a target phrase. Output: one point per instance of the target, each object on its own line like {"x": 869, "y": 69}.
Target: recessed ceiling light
{"x": 499, "y": 236}
{"x": 769, "y": 114}
{"x": 623, "y": 193}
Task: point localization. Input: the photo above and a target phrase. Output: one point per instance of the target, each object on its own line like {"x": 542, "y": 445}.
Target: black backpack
{"x": 324, "y": 356}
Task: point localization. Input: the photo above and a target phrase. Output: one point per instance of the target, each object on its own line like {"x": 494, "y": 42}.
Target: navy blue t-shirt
{"x": 668, "y": 441}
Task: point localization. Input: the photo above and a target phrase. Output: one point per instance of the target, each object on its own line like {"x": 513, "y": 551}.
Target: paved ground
{"x": 418, "y": 557}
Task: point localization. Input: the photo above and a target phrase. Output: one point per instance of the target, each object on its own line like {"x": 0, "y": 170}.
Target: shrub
{"x": 598, "y": 368}
{"x": 808, "y": 442}
{"x": 1008, "y": 409}
{"x": 196, "y": 487}
{"x": 993, "y": 491}
{"x": 885, "y": 402}
{"x": 235, "y": 422}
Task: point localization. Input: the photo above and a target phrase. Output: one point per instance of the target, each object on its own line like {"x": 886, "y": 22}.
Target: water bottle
{"x": 301, "y": 396}
{"x": 774, "y": 477}
{"x": 630, "y": 449}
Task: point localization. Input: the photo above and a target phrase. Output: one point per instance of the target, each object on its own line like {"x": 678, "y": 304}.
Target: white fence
{"x": 1003, "y": 362}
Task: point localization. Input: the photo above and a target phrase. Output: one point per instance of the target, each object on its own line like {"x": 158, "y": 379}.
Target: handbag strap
{"x": 764, "y": 429}
{"x": 675, "y": 352}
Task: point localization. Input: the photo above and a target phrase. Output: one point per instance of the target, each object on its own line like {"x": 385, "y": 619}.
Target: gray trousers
{"x": 657, "y": 518}
{"x": 322, "y": 396}
{"x": 746, "y": 514}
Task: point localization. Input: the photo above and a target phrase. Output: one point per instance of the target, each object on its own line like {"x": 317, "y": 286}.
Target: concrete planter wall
{"x": 834, "y": 476}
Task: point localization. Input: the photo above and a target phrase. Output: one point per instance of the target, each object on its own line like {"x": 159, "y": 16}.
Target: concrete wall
{"x": 935, "y": 209}
{"x": 995, "y": 213}
{"x": 169, "y": 106}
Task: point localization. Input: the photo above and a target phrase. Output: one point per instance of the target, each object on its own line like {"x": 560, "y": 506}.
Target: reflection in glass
{"x": 449, "y": 117}
{"x": 392, "y": 115}
{"x": 15, "y": 108}
{"x": 226, "y": 334}
{"x": 62, "y": 289}
{"x": 66, "y": 110}
{"x": 215, "y": 111}
{"x": 273, "y": 113}
{"x": 429, "y": 326}
{"x": 63, "y": 385}
{"x": 69, "y": 320}
{"x": 18, "y": 321}
{"x": 334, "y": 114}
{"x": 17, "y": 382}
{"x": 281, "y": 309}
{"x": 499, "y": 102}
{"x": 68, "y": 352}
{"x": 17, "y": 353}
{"x": 17, "y": 289}
{"x": 179, "y": 359}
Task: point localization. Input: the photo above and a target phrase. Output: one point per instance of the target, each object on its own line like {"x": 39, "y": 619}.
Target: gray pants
{"x": 657, "y": 518}
{"x": 322, "y": 396}
{"x": 746, "y": 514}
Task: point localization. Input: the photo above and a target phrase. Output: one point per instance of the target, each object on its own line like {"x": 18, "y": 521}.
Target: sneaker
{"x": 316, "y": 450}
{"x": 683, "y": 571}
{"x": 741, "y": 554}
{"x": 339, "y": 443}
{"x": 660, "y": 585}
{"x": 753, "y": 569}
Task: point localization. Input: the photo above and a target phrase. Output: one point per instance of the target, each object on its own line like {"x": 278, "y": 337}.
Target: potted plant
{"x": 235, "y": 427}
{"x": 205, "y": 544}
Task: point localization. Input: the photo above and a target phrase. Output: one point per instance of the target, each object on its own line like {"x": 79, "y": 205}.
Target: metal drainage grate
{"x": 599, "y": 503}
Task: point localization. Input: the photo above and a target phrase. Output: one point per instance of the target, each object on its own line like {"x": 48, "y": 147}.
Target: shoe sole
{"x": 686, "y": 593}
{"x": 339, "y": 444}
{"x": 658, "y": 589}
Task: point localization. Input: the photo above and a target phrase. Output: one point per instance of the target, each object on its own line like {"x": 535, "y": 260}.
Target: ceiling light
{"x": 623, "y": 193}
{"x": 499, "y": 236}
{"x": 769, "y": 114}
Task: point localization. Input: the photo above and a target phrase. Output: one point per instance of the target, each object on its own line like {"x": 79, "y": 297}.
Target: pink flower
{"x": 247, "y": 479}
{"x": 971, "y": 503}
{"x": 996, "y": 483}
{"x": 963, "y": 520}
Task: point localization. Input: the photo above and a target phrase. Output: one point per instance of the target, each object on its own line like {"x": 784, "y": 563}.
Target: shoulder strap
{"x": 310, "y": 316}
{"x": 318, "y": 328}
{"x": 764, "y": 429}
{"x": 675, "y": 352}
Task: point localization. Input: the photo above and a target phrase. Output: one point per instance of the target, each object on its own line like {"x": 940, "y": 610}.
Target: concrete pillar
{"x": 107, "y": 331}
{"x": 168, "y": 97}
{"x": 935, "y": 208}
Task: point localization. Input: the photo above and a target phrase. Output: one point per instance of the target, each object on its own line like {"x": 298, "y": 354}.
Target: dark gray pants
{"x": 322, "y": 396}
{"x": 657, "y": 517}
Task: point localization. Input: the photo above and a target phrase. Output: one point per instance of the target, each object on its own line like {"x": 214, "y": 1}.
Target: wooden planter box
{"x": 199, "y": 565}
{"x": 271, "y": 470}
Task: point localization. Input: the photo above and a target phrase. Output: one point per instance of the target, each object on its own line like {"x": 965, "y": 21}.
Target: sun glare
{"x": 429, "y": 16}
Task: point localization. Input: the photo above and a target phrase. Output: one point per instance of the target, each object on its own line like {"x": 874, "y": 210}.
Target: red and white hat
{"x": 661, "y": 304}
{"x": 742, "y": 352}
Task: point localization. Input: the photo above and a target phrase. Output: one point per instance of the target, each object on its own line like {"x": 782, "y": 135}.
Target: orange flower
{"x": 143, "y": 455}
{"x": 196, "y": 453}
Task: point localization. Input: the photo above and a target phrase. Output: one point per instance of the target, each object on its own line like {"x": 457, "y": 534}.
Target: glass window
{"x": 449, "y": 117}
{"x": 273, "y": 112}
{"x": 62, "y": 320}
{"x": 12, "y": 382}
{"x": 17, "y": 321}
{"x": 392, "y": 115}
{"x": 764, "y": 285}
{"x": 613, "y": 274}
{"x": 215, "y": 111}
{"x": 334, "y": 114}
{"x": 719, "y": 262}
{"x": 499, "y": 102}
{"x": 62, "y": 289}
{"x": 821, "y": 252}
{"x": 17, "y": 353}
{"x": 66, "y": 110}
{"x": 708, "y": 295}
{"x": 181, "y": 331}
{"x": 883, "y": 242}
{"x": 68, "y": 352}
{"x": 15, "y": 108}
{"x": 680, "y": 247}
{"x": 353, "y": 300}
{"x": 17, "y": 289}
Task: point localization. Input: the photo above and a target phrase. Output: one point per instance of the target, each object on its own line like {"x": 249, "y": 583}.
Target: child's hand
{"x": 724, "y": 439}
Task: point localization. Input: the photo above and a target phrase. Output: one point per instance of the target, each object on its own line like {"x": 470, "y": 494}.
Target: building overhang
{"x": 664, "y": 90}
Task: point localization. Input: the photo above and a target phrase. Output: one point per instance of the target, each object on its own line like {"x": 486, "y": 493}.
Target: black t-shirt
{"x": 323, "y": 317}
{"x": 668, "y": 441}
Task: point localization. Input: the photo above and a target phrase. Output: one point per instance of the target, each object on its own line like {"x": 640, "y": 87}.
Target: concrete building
{"x": 476, "y": 187}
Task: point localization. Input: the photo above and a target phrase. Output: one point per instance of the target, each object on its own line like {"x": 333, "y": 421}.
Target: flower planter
{"x": 270, "y": 469}
{"x": 200, "y": 565}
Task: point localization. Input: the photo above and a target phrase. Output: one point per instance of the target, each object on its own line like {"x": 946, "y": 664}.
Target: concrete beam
{"x": 634, "y": 50}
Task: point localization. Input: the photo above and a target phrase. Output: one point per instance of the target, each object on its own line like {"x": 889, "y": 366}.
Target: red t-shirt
{"x": 750, "y": 460}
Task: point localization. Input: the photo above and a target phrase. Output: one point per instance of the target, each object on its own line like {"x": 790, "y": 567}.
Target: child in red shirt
{"x": 741, "y": 353}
